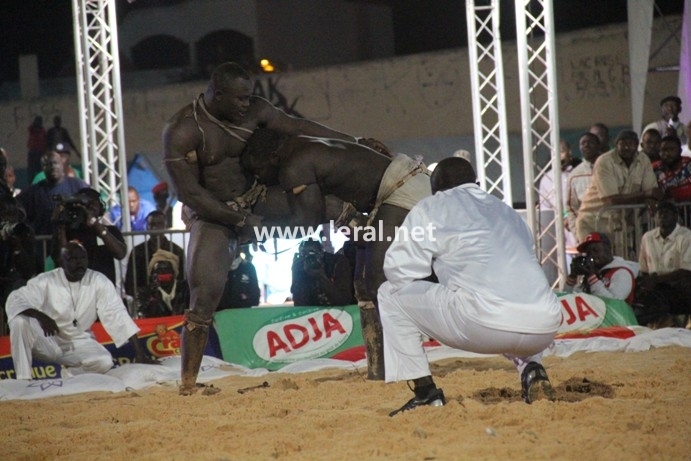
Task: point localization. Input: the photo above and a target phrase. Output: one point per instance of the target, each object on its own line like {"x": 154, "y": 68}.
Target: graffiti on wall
{"x": 598, "y": 76}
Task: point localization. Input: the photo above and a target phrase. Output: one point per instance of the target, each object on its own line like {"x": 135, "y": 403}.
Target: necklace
{"x": 72, "y": 297}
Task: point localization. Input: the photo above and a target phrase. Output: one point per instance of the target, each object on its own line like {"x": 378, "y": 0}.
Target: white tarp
{"x": 138, "y": 376}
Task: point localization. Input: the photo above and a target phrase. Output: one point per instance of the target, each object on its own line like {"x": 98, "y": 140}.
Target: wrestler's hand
{"x": 375, "y": 145}
{"x": 246, "y": 233}
{"x": 49, "y": 326}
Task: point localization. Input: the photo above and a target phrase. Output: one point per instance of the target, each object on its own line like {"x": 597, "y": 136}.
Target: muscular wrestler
{"x": 202, "y": 144}
{"x": 308, "y": 169}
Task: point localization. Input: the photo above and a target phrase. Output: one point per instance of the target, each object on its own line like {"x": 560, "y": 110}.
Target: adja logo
{"x": 305, "y": 337}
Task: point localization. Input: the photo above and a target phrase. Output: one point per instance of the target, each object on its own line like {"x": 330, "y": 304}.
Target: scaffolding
{"x": 539, "y": 116}
{"x": 100, "y": 101}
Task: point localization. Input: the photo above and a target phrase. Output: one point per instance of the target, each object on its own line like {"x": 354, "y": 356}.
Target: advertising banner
{"x": 272, "y": 337}
{"x": 583, "y": 312}
{"x": 160, "y": 337}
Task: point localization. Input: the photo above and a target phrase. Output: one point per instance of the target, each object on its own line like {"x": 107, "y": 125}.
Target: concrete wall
{"x": 419, "y": 104}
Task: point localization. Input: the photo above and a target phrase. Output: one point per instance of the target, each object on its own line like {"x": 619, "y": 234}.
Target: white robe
{"x": 493, "y": 296}
{"x": 74, "y": 307}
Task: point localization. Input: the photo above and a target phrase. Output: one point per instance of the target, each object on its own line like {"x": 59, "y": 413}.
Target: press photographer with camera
{"x": 79, "y": 217}
{"x": 602, "y": 273}
{"x": 37, "y": 199}
{"x": 320, "y": 278}
{"x": 17, "y": 255}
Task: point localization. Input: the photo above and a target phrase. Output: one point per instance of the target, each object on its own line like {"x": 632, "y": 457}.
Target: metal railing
{"x": 626, "y": 224}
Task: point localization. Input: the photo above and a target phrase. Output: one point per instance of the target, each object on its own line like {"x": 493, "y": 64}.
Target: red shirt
{"x": 675, "y": 182}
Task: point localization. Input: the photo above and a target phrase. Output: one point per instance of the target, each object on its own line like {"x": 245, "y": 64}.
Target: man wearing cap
{"x": 665, "y": 260}
{"x": 603, "y": 274}
{"x": 669, "y": 124}
{"x": 71, "y": 171}
{"x": 622, "y": 176}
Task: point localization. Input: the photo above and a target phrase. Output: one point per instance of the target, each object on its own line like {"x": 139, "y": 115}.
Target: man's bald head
{"x": 452, "y": 172}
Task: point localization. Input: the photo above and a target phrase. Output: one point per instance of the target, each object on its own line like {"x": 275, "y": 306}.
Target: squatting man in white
{"x": 50, "y": 318}
{"x": 492, "y": 296}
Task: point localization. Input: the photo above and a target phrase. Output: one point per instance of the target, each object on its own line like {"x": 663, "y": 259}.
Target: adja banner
{"x": 272, "y": 337}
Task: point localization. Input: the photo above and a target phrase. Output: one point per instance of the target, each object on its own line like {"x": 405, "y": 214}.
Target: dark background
{"x": 44, "y": 27}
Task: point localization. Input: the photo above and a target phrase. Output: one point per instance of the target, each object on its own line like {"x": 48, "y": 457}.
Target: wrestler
{"x": 310, "y": 169}
{"x": 202, "y": 144}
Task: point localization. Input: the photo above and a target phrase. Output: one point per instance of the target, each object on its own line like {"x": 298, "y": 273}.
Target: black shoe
{"x": 435, "y": 398}
{"x": 533, "y": 380}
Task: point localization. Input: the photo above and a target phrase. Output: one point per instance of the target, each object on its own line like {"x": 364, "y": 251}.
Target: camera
{"x": 16, "y": 229}
{"x": 580, "y": 265}
{"x": 311, "y": 262}
{"x": 73, "y": 213}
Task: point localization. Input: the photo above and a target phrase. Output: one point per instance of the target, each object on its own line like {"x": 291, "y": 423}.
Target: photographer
{"x": 603, "y": 274}
{"x": 17, "y": 256}
{"x": 79, "y": 218}
{"x": 319, "y": 278}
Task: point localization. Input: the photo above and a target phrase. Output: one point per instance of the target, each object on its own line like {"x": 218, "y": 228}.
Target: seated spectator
{"x": 673, "y": 171}
{"x": 650, "y": 144}
{"x": 163, "y": 202}
{"x": 137, "y": 274}
{"x": 579, "y": 178}
{"x": 71, "y": 171}
{"x": 17, "y": 249}
{"x": 664, "y": 285}
{"x": 669, "y": 123}
{"x": 319, "y": 278}
{"x": 139, "y": 210}
{"x": 50, "y": 318}
{"x": 622, "y": 176}
{"x": 602, "y": 273}
{"x": 242, "y": 286}
{"x": 37, "y": 199}
{"x": 81, "y": 219}
{"x": 164, "y": 295}
{"x": 601, "y": 130}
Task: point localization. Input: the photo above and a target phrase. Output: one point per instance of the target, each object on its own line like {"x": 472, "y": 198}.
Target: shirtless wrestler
{"x": 202, "y": 144}
{"x": 308, "y": 169}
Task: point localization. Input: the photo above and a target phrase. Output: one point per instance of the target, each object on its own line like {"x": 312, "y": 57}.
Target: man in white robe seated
{"x": 50, "y": 318}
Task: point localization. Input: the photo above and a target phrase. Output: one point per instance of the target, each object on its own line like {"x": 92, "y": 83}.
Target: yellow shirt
{"x": 612, "y": 177}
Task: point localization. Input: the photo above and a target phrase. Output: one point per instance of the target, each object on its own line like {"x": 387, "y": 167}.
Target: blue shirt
{"x": 138, "y": 222}
{"x": 37, "y": 201}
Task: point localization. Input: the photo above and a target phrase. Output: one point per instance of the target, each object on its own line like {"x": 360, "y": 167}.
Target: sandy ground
{"x": 631, "y": 406}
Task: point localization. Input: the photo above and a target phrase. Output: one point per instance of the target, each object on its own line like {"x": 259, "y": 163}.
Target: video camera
{"x": 14, "y": 229}
{"x": 73, "y": 213}
{"x": 580, "y": 265}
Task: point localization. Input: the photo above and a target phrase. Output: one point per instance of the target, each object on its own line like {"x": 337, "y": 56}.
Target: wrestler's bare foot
{"x": 207, "y": 389}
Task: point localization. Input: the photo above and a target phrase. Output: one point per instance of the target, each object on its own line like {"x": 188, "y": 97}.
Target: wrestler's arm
{"x": 276, "y": 119}
{"x": 180, "y": 138}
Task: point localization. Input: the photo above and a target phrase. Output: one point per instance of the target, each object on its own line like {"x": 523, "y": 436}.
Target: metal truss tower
{"x": 100, "y": 100}
{"x": 539, "y": 115}
{"x": 540, "y": 127}
{"x": 489, "y": 103}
